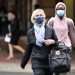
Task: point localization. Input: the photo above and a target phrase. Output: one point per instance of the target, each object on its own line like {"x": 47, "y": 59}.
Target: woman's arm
{"x": 27, "y": 54}
{"x": 52, "y": 38}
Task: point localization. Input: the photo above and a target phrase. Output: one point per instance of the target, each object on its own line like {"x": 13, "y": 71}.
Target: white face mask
{"x": 60, "y": 13}
{"x": 11, "y": 16}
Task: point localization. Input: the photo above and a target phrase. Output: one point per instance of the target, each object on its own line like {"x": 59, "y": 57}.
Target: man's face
{"x": 60, "y": 11}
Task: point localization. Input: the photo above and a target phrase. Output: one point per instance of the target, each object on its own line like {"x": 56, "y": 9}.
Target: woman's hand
{"x": 49, "y": 42}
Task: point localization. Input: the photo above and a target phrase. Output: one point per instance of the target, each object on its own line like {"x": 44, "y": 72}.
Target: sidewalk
{"x": 14, "y": 67}
{"x": 14, "y": 64}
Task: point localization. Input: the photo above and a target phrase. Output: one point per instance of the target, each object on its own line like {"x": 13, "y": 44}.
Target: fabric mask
{"x": 11, "y": 16}
{"x": 39, "y": 19}
{"x": 60, "y": 13}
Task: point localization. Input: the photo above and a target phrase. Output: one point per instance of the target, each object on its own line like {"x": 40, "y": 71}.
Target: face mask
{"x": 39, "y": 19}
{"x": 60, "y": 13}
{"x": 11, "y": 16}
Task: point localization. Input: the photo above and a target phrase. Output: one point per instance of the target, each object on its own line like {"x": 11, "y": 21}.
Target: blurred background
{"x": 23, "y": 10}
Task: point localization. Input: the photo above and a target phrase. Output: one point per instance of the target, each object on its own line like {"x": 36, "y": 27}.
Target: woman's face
{"x": 11, "y": 16}
{"x": 39, "y": 19}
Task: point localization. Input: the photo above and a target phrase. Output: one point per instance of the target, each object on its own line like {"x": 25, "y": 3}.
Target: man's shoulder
{"x": 69, "y": 20}
{"x": 51, "y": 19}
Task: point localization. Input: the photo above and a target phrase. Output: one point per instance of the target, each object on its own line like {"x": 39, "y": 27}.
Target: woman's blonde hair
{"x": 37, "y": 12}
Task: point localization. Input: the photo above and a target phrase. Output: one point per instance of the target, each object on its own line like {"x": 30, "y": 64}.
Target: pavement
{"x": 14, "y": 73}
{"x": 15, "y": 67}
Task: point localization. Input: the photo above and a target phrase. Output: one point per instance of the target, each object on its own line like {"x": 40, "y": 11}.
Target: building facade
{"x": 24, "y": 8}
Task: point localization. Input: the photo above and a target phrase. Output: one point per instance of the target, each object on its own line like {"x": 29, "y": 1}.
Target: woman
{"x": 63, "y": 26}
{"x": 40, "y": 39}
{"x": 13, "y": 32}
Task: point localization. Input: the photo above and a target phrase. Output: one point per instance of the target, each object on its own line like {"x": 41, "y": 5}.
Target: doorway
{"x": 3, "y": 19}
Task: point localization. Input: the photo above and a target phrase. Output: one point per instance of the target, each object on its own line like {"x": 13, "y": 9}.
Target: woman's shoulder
{"x": 30, "y": 30}
{"x": 48, "y": 29}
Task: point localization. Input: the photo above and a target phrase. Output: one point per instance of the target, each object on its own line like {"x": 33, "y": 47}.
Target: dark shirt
{"x": 34, "y": 50}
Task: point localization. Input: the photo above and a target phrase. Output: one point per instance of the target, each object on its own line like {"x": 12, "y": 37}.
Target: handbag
{"x": 7, "y": 36}
{"x": 60, "y": 58}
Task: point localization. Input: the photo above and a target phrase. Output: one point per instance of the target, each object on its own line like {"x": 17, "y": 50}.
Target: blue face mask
{"x": 60, "y": 13}
{"x": 39, "y": 19}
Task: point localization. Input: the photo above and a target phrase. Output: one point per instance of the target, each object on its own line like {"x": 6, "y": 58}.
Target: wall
{"x": 69, "y": 4}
